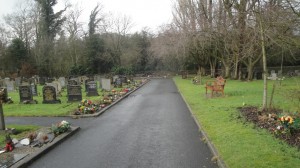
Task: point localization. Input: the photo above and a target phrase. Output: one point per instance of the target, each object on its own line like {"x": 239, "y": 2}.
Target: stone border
{"x": 212, "y": 148}
{"x": 26, "y": 161}
{"x": 98, "y": 113}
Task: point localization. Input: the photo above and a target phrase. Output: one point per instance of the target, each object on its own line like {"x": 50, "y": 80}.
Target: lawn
{"x": 36, "y": 110}
{"x": 239, "y": 143}
{"x": 40, "y": 109}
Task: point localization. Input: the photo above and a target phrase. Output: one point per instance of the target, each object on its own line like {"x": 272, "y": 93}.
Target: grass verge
{"x": 240, "y": 144}
{"x": 22, "y": 131}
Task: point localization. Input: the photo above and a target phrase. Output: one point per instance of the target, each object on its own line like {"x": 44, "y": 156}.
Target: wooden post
{"x": 2, "y": 123}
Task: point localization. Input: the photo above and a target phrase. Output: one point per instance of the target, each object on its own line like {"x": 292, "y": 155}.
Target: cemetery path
{"x": 151, "y": 128}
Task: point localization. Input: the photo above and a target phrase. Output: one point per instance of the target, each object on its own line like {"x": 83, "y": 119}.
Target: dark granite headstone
{"x": 49, "y": 95}
{"x": 123, "y": 79}
{"x": 74, "y": 93}
{"x": 118, "y": 82}
{"x": 25, "y": 94}
{"x": 92, "y": 89}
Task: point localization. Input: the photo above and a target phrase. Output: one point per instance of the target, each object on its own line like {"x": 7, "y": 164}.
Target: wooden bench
{"x": 215, "y": 86}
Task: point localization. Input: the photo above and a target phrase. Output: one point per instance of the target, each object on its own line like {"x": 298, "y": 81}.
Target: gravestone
{"x": 118, "y": 83}
{"x": 55, "y": 86}
{"x": 92, "y": 89}
{"x": 10, "y": 85}
{"x": 74, "y": 93}
{"x": 85, "y": 83}
{"x": 25, "y": 94}
{"x": 33, "y": 88}
{"x": 62, "y": 81}
{"x": 49, "y": 95}
{"x": 72, "y": 82}
{"x": 18, "y": 81}
{"x": 106, "y": 84}
{"x": 123, "y": 79}
{"x": 115, "y": 78}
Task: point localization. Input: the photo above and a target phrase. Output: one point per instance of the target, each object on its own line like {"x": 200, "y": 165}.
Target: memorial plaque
{"x": 74, "y": 93}
{"x": 92, "y": 89}
{"x": 49, "y": 95}
{"x": 33, "y": 88}
{"x": 25, "y": 93}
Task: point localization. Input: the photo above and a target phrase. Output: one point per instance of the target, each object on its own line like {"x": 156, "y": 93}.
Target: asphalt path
{"x": 151, "y": 128}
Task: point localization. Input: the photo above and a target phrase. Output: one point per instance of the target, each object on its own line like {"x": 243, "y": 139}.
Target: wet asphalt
{"x": 151, "y": 128}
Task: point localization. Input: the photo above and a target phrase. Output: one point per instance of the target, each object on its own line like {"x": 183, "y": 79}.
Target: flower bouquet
{"x": 60, "y": 127}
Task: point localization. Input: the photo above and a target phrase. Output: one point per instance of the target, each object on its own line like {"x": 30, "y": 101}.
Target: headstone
{"x": 118, "y": 83}
{"x": 49, "y": 95}
{"x": 72, "y": 82}
{"x": 92, "y": 89}
{"x": 106, "y": 85}
{"x": 123, "y": 79}
{"x": 25, "y": 93}
{"x": 10, "y": 85}
{"x": 74, "y": 93}
{"x": 115, "y": 78}
{"x": 53, "y": 85}
{"x": 62, "y": 81}
{"x": 85, "y": 83}
{"x": 280, "y": 73}
{"x": 34, "y": 90}
{"x": 18, "y": 81}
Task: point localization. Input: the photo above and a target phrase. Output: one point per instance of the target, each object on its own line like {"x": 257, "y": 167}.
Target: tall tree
{"x": 50, "y": 24}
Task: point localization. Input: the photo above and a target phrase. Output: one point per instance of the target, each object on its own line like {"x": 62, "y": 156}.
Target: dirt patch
{"x": 270, "y": 120}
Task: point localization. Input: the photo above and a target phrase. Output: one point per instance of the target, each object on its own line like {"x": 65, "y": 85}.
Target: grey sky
{"x": 144, "y": 13}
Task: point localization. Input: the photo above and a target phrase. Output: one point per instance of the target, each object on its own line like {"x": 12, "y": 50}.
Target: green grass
{"x": 240, "y": 144}
{"x": 40, "y": 109}
{"x": 64, "y": 109}
{"x": 22, "y": 131}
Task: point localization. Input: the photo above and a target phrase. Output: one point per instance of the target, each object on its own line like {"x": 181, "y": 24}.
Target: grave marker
{"x": 106, "y": 84}
{"x": 49, "y": 95}
{"x": 92, "y": 89}
{"x": 74, "y": 93}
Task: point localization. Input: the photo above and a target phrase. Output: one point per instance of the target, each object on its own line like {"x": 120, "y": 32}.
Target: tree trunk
{"x": 227, "y": 71}
{"x": 265, "y": 70}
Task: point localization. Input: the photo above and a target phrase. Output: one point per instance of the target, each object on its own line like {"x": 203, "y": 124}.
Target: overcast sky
{"x": 143, "y": 13}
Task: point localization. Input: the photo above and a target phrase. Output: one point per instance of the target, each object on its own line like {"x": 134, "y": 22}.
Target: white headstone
{"x": 105, "y": 83}
{"x": 62, "y": 81}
